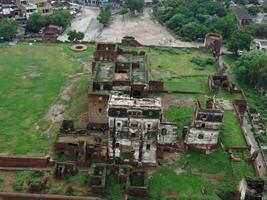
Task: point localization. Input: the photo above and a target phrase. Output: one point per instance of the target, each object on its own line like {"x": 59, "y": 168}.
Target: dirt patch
{"x": 169, "y": 100}
{"x": 55, "y": 113}
{"x": 171, "y": 193}
{"x": 162, "y": 74}
{"x": 225, "y": 104}
{"x": 145, "y": 28}
{"x": 32, "y": 74}
{"x": 7, "y": 179}
{"x": 179, "y": 171}
{"x": 213, "y": 177}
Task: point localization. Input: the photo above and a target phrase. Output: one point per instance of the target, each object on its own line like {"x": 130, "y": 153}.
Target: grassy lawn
{"x": 213, "y": 172}
{"x": 231, "y": 132}
{"x": 181, "y": 116}
{"x": 179, "y": 61}
{"x": 30, "y": 80}
{"x": 197, "y": 84}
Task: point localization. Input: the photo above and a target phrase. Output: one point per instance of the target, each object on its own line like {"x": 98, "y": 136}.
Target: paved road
{"x": 86, "y": 22}
{"x": 261, "y": 165}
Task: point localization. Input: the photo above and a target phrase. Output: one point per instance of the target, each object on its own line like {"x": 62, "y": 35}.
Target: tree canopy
{"x": 104, "y": 15}
{"x": 252, "y": 68}
{"x": 8, "y": 29}
{"x": 35, "y": 22}
{"x": 135, "y": 5}
{"x": 60, "y": 18}
{"x": 73, "y": 35}
{"x": 240, "y": 40}
{"x": 191, "y": 20}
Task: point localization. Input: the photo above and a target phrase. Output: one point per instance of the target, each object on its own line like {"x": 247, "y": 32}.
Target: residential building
{"x": 241, "y": 15}
{"x": 43, "y": 6}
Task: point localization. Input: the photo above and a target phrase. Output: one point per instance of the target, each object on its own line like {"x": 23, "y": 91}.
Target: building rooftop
{"x": 117, "y": 100}
{"x": 241, "y": 12}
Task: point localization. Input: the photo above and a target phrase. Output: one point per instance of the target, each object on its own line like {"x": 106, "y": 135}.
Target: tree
{"x": 193, "y": 31}
{"x": 123, "y": 10}
{"x": 254, "y": 10}
{"x": 79, "y": 36}
{"x": 240, "y": 40}
{"x": 104, "y": 15}
{"x": 135, "y": 5}
{"x": 8, "y": 29}
{"x": 60, "y": 18}
{"x": 72, "y": 35}
{"x": 226, "y": 25}
{"x": 36, "y": 22}
{"x": 176, "y": 21}
{"x": 252, "y": 68}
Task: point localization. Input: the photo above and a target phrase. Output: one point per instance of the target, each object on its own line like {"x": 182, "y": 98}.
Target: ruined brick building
{"x": 204, "y": 132}
{"x": 136, "y": 129}
{"x": 114, "y": 69}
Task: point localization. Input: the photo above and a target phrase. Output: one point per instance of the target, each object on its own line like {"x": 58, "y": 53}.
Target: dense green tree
{"x": 226, "y": 26}
{"x": 36, "y": 22}
{"x": 181, "y": 15}
{"x": 176, "y": 21}
{"x": 257, "y": 30}
{"x": 8, "y": 29}
{"x": 135, "y": 5}
{"x": 72, "y": 35}
{"x": 193, "y": 31}
{"x": 79, "y": 36}
{"x": 104, "y": 15}
{"x": 240, "y": 40}
{"x": 254, "y": 10}
{"x": 60, "y": 18}
{"x": 252, "y": 68}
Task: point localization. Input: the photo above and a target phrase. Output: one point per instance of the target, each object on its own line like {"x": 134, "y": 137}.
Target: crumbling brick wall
{"x": 97, "y": 111}
{"x": 12, "y": 161}
{"x": 156, "y": 86}
{"x": 106, "y": 52}
{"x": 23, "y": 196}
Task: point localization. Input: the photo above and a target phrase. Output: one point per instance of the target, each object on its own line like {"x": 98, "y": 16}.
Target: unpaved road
{"x": 144, "y": 28}
{"x": 86, "y": 22}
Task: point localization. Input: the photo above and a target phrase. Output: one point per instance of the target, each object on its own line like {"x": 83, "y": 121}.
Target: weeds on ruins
{"x": 124, "y": 121}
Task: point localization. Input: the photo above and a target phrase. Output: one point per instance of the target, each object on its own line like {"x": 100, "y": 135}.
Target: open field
{"x": 31, "y": 78}
{"x": 144, "y": 28}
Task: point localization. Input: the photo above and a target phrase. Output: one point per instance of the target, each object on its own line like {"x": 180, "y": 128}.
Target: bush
{"x": 8, "y": 29}
{"x": 202, "y": 62}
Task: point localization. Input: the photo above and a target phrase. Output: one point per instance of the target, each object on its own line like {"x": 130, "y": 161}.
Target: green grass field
{"x": 231, "y": 131}
{"x": 30, "y": 80}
